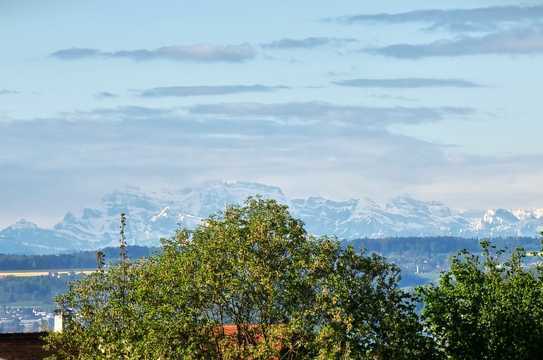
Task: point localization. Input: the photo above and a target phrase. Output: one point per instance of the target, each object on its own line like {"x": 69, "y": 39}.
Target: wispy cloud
{"x": 103, "y": 95}
{"x": 8, "y": 92}
{"x": 308, "y": 119}
{"x": 192, "y": 53}
{"x": 115, "y": 114}
{"x": 331, "y": 117}
{"x": 307, "y": 43}
{"x": 407, "y": 83}
{"x": 392, "y": 97}
{"x": 507, "y": 42}
{"x": 186, "y": 91}
{"x": 475, "y": 19}
{"x": 77, "y": 53}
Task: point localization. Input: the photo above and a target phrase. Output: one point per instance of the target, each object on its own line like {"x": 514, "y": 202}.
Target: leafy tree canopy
{"x": 247, "y": 283}
{"x": 486, "y": 307}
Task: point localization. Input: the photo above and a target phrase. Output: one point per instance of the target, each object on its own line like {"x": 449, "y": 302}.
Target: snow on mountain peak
{"x": 23, "y": 224}
{"x": 500, "y": 216}
{"x": 523, "y": 214}
{"x": 152, "y": 216}
{"x": 163, "y": 213}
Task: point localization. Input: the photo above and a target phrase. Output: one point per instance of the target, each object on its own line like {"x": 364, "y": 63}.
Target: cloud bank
{"x": 235, "y": 140}
{"x": 82, "y": 154}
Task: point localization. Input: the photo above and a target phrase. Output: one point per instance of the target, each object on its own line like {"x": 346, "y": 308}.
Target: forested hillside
{"x": 402, "y": 248}
{"x": 76, "y": 260}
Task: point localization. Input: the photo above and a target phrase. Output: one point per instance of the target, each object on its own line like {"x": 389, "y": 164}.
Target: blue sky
{"x": 437, "y": 100}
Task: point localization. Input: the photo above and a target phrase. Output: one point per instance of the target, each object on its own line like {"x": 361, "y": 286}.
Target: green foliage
{"x": 485, "y": 307}
{"x": 254, "y": 268}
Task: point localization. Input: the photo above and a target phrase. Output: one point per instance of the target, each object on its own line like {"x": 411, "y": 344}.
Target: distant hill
{"x": 432, "y": 246}
{"x": 403, "y": 250}
{"x": 152, "y": 216}
{"x": 76, "y": 260}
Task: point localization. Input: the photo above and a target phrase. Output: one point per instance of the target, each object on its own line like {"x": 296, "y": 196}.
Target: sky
{"x": 438, "y": 100}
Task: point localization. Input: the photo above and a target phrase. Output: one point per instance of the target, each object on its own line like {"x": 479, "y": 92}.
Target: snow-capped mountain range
{"x": 152, "y": 216}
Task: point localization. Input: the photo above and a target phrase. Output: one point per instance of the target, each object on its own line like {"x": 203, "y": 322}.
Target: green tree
{"x": 487, "y": 307}
{"x": 247, "y": 283}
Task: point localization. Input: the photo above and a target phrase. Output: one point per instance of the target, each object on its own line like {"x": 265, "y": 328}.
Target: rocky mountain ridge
{"x": 152, "y": 216}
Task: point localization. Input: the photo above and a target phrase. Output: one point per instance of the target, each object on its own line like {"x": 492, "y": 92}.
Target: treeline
{"x": 410, "y": 246}
{"x": 427, "y": 246}
{"x": 78, "y": 260}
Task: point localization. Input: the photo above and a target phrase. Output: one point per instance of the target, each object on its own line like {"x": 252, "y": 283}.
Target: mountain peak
{"x": 23, "y": 224}
{"x": 154, "y": 215}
